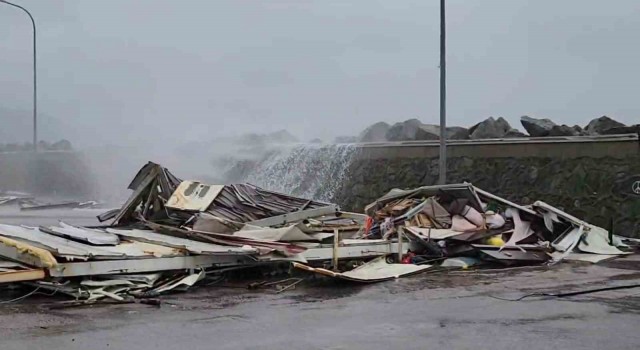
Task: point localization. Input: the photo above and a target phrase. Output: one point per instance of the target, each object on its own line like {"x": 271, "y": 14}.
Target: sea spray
{"x": 309, "y": 171}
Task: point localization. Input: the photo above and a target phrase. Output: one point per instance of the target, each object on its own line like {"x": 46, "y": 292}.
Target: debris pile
{"x": 463, "y": 225}
{"x": 171, "y": 234}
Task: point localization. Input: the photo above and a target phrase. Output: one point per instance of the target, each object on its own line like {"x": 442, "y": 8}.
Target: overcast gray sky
{"x": 185, "y": 70}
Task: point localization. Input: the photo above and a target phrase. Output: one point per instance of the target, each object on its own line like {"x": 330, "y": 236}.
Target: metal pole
{"x": 35, "y": 87}
{"x": 442, "y": 165}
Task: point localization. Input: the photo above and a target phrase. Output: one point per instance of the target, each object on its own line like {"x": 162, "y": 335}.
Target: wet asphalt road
{"x": 455, "y": 310}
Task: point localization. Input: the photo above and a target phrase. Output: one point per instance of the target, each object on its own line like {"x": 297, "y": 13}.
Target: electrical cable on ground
{"x": 521, "y": 298}
{"x": 568, "y": 294}
{"x": 20, "y": 298}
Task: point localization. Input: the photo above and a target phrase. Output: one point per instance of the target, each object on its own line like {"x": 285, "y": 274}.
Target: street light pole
{"x": 35, "y": 86}
{"x": 442, "y": 164}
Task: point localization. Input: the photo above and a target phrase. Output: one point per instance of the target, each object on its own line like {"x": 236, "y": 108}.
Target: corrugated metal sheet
{"x": 90, "y": 236}
{"x": 245, "y": 202}
{"x": 58, "y": 246}
{"x": 69, "y": 249}
{"x": 182, "y": 243}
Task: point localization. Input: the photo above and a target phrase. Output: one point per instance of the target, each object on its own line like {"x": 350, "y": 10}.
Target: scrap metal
{"x": 170, "y": 233}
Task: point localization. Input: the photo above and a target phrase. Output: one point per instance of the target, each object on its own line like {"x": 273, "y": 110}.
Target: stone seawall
{"x": 590, "y": 178}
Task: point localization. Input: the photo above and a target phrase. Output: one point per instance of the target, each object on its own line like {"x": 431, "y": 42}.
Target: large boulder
{"x": 62, "y": 145}
{"x": 428, "y": 132}
{"x": 405, "y": 131}
{"x": 631, "y": 129}
{"x": 432, "y": 132}
{"x": 503, "y": 124}
{"x": 537, "y": 127}
{"x": 345, "y": 139}
{"x": 599, "y": 126}
{"x": 374, "y": 133}
{"x": 579, "y": 130}
{"x": 514, "y": 133}
{"x": 457, "y": 133}
{"x": 563, "y": 130}
{"x": 489, "y": 129}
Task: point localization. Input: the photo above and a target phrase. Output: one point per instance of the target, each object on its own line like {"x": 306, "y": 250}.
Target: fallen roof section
{"x": 58, "y": 246}
{"x": 190, "y": 245}
{"x": 93, "y": 237}
{"x": 246, "y": 203}
{"x": 73, "y": 250}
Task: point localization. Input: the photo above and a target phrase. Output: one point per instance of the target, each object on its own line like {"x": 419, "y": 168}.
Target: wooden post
{"x": 336, "y": 240}
{"x": 400, "y": 236}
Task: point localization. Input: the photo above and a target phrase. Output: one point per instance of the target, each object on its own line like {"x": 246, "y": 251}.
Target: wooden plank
{"x": 22, "y": 275}
{"x": 336, "y": 241}
{"x": 400, "y": 238}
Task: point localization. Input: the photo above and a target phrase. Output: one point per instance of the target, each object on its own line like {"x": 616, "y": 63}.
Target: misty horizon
{"x": 122, "y": 72}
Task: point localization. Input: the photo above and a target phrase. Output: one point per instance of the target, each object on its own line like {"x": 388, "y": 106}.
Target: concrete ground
{"x": 454, "y": 310}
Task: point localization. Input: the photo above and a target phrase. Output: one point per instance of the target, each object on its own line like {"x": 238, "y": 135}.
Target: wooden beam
{"x": 21, "y": 276}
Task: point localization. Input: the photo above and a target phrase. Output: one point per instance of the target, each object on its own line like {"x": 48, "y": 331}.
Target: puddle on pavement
{"x": 321, "y": 289}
